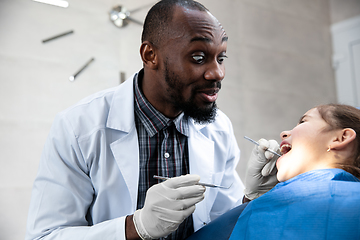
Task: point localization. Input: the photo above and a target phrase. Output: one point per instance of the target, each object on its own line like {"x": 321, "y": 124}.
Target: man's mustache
{"x": 209, "y": 85}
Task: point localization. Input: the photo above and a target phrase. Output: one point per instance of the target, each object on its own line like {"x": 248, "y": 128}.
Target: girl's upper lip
{"x": 284, "y": 142}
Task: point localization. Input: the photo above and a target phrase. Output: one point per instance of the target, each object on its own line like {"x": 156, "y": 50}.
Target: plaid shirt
{"x": 163, "y": 149}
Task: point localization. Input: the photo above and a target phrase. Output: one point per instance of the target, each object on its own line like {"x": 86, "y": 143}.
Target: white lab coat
{"x": 88, "y": 174}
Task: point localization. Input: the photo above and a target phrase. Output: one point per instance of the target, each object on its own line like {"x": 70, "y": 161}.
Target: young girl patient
{"x": 318, "y": 196}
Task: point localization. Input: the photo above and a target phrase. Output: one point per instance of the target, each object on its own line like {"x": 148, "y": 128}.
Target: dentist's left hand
{"x": 261, "y": 169}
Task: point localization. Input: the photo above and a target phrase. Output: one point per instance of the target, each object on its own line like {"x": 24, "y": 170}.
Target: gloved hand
{"x": 261, "y": 169}
{"x": 167, "y": 204}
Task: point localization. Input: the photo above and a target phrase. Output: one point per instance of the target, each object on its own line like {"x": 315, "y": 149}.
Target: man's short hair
{"x": 159, "y": 17}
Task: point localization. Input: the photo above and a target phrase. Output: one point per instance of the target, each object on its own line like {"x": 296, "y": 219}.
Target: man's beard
{"x": 200, "y": 115}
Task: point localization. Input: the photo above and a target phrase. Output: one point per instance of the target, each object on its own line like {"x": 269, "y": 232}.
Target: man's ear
{"x": 149, "y": 55}
{"x": 344, "y": 138}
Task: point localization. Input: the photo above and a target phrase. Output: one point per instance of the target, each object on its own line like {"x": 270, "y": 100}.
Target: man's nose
{"x": 215, "y": 71}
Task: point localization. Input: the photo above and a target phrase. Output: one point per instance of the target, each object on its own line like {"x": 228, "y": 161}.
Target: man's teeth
{"x": 285, "y": 148}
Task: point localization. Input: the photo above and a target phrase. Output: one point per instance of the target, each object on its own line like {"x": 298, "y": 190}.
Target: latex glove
{"x": 167, "y": 204}
{"x": 261, "y": 169}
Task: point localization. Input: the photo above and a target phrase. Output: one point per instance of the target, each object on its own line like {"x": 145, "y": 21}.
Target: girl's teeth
{"x": 285, "y": 148}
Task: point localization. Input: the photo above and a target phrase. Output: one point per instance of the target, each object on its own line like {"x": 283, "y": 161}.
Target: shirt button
{"x": 166, "y": 155}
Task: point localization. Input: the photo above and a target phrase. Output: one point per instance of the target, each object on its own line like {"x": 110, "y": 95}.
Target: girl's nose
{"x": 284, "y": 135}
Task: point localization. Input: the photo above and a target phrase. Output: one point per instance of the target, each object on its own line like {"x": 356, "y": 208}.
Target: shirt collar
{"x": 153, "y": 120}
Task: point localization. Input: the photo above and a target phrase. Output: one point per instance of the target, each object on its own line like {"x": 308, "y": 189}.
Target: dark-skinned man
{"x": 95, "y": 178}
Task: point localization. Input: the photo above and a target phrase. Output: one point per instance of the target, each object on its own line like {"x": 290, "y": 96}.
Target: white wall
{"x": 345, "y": 19}
{"x": 346, "y": 60}
{"x": 279, "y": 66}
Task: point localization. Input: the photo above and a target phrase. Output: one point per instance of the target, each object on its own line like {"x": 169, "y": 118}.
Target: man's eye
{"x": 221, "y": 59}
{"x": 198, "y": 58}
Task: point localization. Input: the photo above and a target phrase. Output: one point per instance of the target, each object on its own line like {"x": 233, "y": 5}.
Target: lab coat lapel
{"x": 126, "y": 153}
{"x": 201, "y": 155}
{"x": 125, "y": 149}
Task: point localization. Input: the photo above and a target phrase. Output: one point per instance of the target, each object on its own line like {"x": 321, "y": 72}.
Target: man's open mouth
{"x": 210, "y": 92}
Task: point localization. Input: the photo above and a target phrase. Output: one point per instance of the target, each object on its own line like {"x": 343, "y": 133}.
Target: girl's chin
{"x": 281, "y": 178}
{"x": 277, "y": 176}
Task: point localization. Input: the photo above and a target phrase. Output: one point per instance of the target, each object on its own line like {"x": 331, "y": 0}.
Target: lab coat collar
{"x": 196, "y": 125}
{"x": 122, "y": 103}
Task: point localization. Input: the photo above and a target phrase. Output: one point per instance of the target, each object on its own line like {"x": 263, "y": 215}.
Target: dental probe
{"x": 255, "y": 142}
{"x": 199, "y": 183}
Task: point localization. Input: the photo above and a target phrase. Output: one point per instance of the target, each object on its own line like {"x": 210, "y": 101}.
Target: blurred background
{"x": 285, "y": 57}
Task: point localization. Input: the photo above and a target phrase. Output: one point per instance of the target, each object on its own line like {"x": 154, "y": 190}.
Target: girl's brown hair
{"x": 340, "y": 116}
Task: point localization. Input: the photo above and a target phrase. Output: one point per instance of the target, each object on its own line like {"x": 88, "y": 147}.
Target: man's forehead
{"x": 199, "y": 25}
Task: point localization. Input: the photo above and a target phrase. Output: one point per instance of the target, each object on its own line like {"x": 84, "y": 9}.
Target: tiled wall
{"x": 279, "y": 66}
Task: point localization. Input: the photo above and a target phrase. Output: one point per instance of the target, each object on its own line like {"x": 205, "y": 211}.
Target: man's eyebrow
{"x": 205, "y": 39}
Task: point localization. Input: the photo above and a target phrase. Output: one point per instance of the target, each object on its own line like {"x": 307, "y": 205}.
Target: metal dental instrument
{"x": 72, "y": 78}
{"x": 199, "y": 183}
{"x": 255, "y": 142}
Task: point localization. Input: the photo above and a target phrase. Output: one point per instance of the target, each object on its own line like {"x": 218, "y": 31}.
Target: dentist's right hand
{"x": 167, "y": 205}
